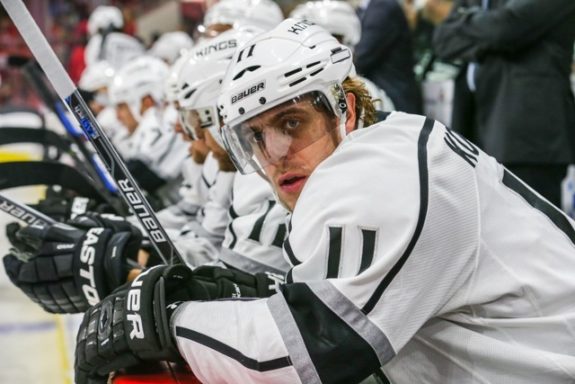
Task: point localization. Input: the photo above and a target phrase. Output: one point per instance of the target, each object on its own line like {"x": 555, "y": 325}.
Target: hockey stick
{"x": 71, "y": 96}
{"x": 91, "y": 163}
{"x": 32, "y": 71}
{"x": 24, "y": 212}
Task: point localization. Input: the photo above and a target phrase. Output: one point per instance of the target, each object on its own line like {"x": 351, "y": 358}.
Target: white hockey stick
{"x": 69, "y": 94}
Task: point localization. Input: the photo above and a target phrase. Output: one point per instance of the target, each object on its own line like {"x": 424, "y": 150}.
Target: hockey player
{"x": 256, "y": 229}
{"x": 72, "y": 280}
{"x": 197, "y": 179}
{"x": 340, "y": 19}
{"x": 154, "y": 154}
{"x": 107, "y": 42}
{"x": 412, "y": 249}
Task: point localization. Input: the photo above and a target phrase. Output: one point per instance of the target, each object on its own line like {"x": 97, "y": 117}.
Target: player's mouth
{"x": 291, "y": 183}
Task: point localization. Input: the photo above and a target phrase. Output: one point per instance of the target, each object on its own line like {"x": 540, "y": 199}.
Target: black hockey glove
{"x": 66, "y": 269}
{"x": 133, "y": 323}
{"x": 64, "y": 205}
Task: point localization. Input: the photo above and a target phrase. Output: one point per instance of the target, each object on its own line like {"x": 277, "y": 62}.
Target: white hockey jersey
{"x": 257, "y": 228}
{"x": 240, "y": 210}
{"x": 413, "y": 251}
{"x": 193, "y": 192}
{"x": 200, "y": 240}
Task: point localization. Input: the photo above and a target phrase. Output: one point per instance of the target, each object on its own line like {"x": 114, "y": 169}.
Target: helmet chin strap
{"x": 342, "y": 106}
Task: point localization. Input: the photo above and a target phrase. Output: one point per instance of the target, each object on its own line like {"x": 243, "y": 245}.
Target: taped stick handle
{"x": 67, "y": 91}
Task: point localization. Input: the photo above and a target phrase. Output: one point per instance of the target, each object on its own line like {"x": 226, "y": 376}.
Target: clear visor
{"x": 280, "y": 132}
{"x": 193, "y": 121}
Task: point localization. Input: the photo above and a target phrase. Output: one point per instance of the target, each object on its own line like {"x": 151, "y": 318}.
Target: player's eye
{"x": 257, "y": 136}
{"x": 291, "y": 124}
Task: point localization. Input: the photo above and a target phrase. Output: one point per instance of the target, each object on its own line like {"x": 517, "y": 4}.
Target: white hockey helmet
{"x": 264, "y": 14}
{"x": 141, "y": 77}
{"x": 105, "y": 17}
{"x": 96, "y": 76}
{"x": 200, "y": 79}
{"x": 336, "y": 16}
{"x": 293, "y": 62}
{"x": 171, "y": 84}
{"x": 170, "y": 46}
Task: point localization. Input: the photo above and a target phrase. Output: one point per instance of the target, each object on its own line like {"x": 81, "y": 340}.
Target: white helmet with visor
{"x": 336, "y": 16}
{"x": 296, "y": 63}
{"x": 171, "y": 84}
{"x": 144, "y": 76}
{"x": 264, "y": 14}
{"x": 200, "y": 79}
{"x": 171, "y": 45}
{"x": 96, "y": 76}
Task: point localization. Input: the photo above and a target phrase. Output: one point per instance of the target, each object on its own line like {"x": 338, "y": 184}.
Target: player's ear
{"x": 351, "y": 118}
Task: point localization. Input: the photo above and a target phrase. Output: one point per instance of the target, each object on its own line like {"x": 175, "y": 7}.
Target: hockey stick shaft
{"x": 70, "y": 95}
{"x": 36, "y": 77}
{"x": 24, "y": 212}
{"x": 90, "y": 162}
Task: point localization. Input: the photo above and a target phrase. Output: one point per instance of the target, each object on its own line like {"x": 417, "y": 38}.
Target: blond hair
{"x": 364, "y": 108}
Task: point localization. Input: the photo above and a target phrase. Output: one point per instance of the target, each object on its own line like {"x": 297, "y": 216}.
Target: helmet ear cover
{"x": 321, "y": 104}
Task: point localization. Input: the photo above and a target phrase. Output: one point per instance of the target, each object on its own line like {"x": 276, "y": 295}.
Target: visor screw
{"x": 241, "y": 111}
{"x": 262, "y": 100}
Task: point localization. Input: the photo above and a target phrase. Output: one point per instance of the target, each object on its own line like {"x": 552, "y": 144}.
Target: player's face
{"x": 290, "y": 141}
{"x": 125, "y": 117}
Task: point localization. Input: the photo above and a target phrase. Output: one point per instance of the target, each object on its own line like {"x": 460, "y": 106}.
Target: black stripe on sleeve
{"x": 260, "y": 366}
{"x": 423, "y": 202}
{"x": 338, "y": 353}
{"x": 555, "y": 215}
{"x": 368, "y": 248}
{"x": 334, "y": 252}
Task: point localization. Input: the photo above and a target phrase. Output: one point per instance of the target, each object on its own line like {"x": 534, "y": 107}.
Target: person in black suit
{"x": 385, "y": 54}
{"x": 513, "y": 96}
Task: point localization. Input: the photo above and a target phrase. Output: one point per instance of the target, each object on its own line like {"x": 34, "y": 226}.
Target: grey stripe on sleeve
{"x": 289, "y": 331}
{"x": 355, "y": 318}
